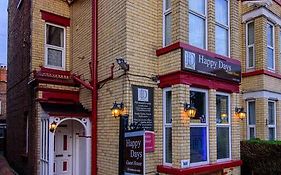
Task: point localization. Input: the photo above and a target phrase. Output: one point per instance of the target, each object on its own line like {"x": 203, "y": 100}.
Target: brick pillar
{"x": 277, "y": 48}
{"x": 261, "y": 116}
{"x": 260, "y": 43}
{"x": 211, "y": 25}
{"x": 278, "y": 120}
{"x": 180, "y": 125}
{"x": 212, "y": 126}
{"x": 235, "y": 127}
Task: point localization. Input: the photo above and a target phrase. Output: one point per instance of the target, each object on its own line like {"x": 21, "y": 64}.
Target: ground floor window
{"x": 271, "y": 121}
{"x": 167, "y": 120}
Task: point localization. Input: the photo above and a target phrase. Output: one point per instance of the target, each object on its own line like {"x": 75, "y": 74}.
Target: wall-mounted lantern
{"x": 53, "y": 126}
{"x": 189, "y": 110}
{"x": 240, "y": 113}
{"x": 118, "y": 110}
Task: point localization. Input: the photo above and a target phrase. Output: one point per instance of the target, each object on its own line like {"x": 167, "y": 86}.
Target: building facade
{"x": 261, "y": 43}
{"x": 63, "y": 79}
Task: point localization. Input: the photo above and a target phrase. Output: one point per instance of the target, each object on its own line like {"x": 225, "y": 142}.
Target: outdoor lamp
{"x": 53, "y": 126}
{"x": 240, "y": 113}
{"x": 189, "y": 110}
{"x": 115, "y": 110}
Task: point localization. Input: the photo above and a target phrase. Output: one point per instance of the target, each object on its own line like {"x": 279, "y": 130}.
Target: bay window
{"x": 167, "y": 131}
{"x": 197, "y": 23}
{"x": 250, "y": 45}
{"x": 55, "y": 46}
{"x": 167, "y": 22}
{"x": 223, "y": 126}
{"x": 199, "y": 136}
{"x": 222, "y": 27}
{"x": 271, "y": 121}
{"x": 270, "y": 46}
{"x": 251, "y": 122}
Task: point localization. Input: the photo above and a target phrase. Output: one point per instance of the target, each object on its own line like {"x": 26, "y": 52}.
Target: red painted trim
{"x": 60, "y": 96}
{"x": 64, "y": 142}
{"x": 197, "y": 80}
{"x": 199, "y": 169}
{"x": 57, "y": 90}
{"x": 261, "y": 72}
{"x": 64, "y": 115}
{"x": 55, "y": 19}
{"x": 54, "y": 71}
{"x": 54, "y": 101}
{"x": 180, "y": 45}
{"x": 56, "y": 81}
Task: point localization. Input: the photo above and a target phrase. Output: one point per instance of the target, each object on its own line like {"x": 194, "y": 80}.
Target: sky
{"x": 3, "y": 31}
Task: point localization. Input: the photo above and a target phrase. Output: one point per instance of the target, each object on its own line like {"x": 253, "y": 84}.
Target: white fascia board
{"x": 261, "y": 94}
{"x": 261, "y": 12}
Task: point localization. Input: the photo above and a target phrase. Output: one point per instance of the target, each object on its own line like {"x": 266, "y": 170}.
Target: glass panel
{"x": 198, "y": 144}
{"x": 252, "y": 113}
{"x": 223, "y": 143}
{"x": 168, "y": 29}
{"x": 168, "y": 4}
{"x": 168, "y": 107}
{"x": 251, "y": 33}
{"x": 270, "y": 58}
{"x": 269, "y": 30}
{"x": 54, "y": 57}
{"x": 252, "y": 133}
{"x": 222, "y": 109}
{"x": 196, "y": 31}
{"x": 168, "y": 145}
{"x": 221, "y": 41}
{"x": 250, "y": 56}
{"x": 222, "y": 12}
{"x": 54, "y": 36}
{"x": 271, "y": 133}
{"x": 198, "y": 99}
{"x": 197, "y": 6}
{"x": 271, "y": 113}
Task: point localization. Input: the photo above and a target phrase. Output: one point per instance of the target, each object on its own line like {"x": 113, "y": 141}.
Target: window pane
{"x": 269, "y": 30}
{"x": 197, "y": 6}
{"x": 223, "y": 143}
{"x": 222, "y": 109}
{"x": 198, "y": 144}
{"x": 271, "y": 133}
{"x": 168, "y": 29}
{"x": 196, "y": 31}
{"x": 198, "y": 100}
{"x": 54, "y": 57}
{"x": 221, "y": 41}
{"x": 54, "y": 36}
{"x": 222, "y": 11}
{"x": 168, "y": 107}
{"x": 251, "y": 33}
{"x": 271, "y": 113}
{"x": 168, "y": 145}
{"x": 168, "y": 4}
{"x": 252, "y": 133}
{"x": 252, "y": 113}
{"x": 250, "y": 56}
{"x": 270, "y": 61}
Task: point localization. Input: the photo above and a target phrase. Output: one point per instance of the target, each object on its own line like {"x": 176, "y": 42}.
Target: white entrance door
{"x": 63, "y": 156}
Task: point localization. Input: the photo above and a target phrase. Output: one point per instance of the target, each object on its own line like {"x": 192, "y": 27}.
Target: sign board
{"x": 149, "y": 141}
{"x": 143, "y": 106}
{"x": 134, "y": 153}
{"x": 204, "y": 64}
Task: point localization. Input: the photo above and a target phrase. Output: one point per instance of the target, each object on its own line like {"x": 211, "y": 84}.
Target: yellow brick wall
{"x": 38, "y": 31}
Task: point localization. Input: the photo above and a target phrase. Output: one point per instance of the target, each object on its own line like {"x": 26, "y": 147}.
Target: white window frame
{"x": 47, "y": 46}
{"x": 248, "y": 46}
{"x": 280, "y": 44}
{"x": 19, "y": 4}
{"x": 248, "y": 121}
{"x": 202, "y": 125}
{"x": 165, "y": 125}
{"x": 205, "y": 18}
{"x": 225, "y": 27}
{"x": 1, "y": 112}
{"x": 165, "y": 13}
{"x": 272, "y": 126}
{"x": 271, "y": 47}
{"x": 223, "y": 125}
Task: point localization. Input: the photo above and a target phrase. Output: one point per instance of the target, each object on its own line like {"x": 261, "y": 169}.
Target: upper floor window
{"x": 167, "y": 20}
{"x": 55, "y": 46}
{"x": 250, "y": 45}
{"x": 270, "y": 46}
{"x": 251, "y": 122}
{"x": 198, "y": 23}
{"x": 222, "y": 27}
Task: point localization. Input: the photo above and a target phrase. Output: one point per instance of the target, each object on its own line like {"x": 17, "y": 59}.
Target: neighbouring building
{"x": 3, "y": 95}
{"x": 261, "y": 67}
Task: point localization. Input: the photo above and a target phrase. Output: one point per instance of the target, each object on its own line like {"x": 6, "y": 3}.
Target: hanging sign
{"x": 134, "y": 153}
{"x": 143, "y": 106}
{"x": 149, "y": 141}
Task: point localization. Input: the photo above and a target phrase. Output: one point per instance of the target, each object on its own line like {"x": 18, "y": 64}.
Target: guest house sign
{"x": 205, "y": 64}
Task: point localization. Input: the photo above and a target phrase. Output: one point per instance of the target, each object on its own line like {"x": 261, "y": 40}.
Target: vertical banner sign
{"x": 134, "y": 153}
{"x": 143, "y": 106}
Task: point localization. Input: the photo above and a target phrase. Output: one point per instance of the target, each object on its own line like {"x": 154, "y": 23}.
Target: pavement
{"x": 5, "y": 169}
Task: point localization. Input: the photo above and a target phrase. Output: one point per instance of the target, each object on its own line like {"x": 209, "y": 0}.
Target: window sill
{"x": 199, "y": 169}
